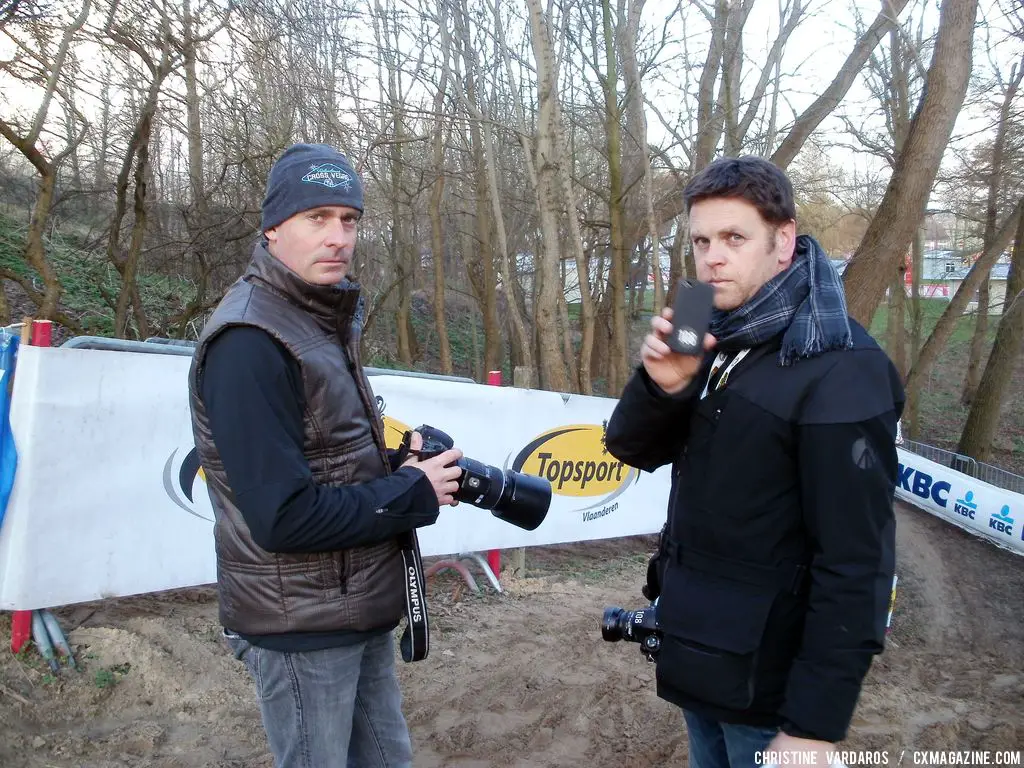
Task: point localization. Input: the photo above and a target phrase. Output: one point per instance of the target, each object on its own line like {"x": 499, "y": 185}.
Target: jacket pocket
{"x": 713, "y": 628}
{"x": 335, "y": 565}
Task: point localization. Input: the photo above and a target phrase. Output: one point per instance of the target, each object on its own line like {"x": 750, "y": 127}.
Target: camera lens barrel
{"x": 612, "y": 624}
{"x": 512, "y": 497}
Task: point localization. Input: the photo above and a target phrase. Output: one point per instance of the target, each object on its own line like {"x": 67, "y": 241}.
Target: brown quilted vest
{"x": 262, "y": 592}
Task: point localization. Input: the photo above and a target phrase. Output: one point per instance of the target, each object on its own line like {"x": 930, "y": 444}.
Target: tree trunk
{"x": 954, "y": 310}
{"x": 890, "y": 233}
{"x": 978, "y": 344}
{"x": 681, "y": 261}
{"x": 489, "y": 298}
{"x": 635, "y": 89}
{"x": 811, "y": 117}
{"x": 568, "y": 193}
{"x": 35, "y": 253}
{"x": 507, "y": 273}
{"x": 437, "y": 246}
{"x": 477, "y": 367}
{"x": 995, "y": 179}
{"x": 772, "y": 64}
{"x": 913, "y": 388}
{"x": 983, "y": 418}
{"x": 548, "y": 284}
{"x": 198, "y": 219}
{"x": 399, "y": 245}
{"x": 618, "y": 365}
{"x": 567, "y": 335}
{"x": 436, "y": 195}
{"x": 732, "y": 64}
{"x": 898, "y": 108}
{"x": 896, "y": 328}
{"x": 137, "y": 154}
{"x": 488, "y": 204}
{"x": 709, "y": 124}
{"x": 129, "y": 294}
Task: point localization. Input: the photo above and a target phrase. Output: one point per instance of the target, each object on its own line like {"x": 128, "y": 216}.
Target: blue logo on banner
{"x": 923, "y": 486}
{"x": 966, "y": 507}
{"x": 1001, "y": 521}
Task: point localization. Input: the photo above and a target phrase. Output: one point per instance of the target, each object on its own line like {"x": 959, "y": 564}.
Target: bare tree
{"x": 954, "y": 310}
{"x": 635, "y": 111}
{"x": 895, "y": 81}
{"x": 902, "y": 208}
{"x": 133, "y": 36}
{"x": 619, "y": 252}
{"x": 491, "y": 189}
{"x": 995, "y": 180}
{"x": 983, "y": 419}
{"x": 545, "y": 173}
{"x": 823, "y": 106}
{"x": 437, "y": 193}
{"x": 27, "y": 140}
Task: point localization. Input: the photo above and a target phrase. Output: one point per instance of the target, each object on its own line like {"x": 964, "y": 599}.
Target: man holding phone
{"x": 777, "y": 558}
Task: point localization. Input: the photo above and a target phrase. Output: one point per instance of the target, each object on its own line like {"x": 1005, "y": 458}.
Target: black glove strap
{"x": 415, "y": 641}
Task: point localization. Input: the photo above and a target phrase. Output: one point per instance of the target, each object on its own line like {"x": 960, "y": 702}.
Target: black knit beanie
{"x": 308, "y": 176}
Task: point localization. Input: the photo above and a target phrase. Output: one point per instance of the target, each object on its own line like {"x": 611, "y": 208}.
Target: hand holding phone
{"x": 673, "y": 351}
{"x": 691, "y": 316}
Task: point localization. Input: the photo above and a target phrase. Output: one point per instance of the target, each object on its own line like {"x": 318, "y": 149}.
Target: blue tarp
{"x": 8, "y": 452}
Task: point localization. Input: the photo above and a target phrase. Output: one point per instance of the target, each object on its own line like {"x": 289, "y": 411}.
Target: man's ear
{"x": 785, "y": 243}
{"x": 271, "y": 235}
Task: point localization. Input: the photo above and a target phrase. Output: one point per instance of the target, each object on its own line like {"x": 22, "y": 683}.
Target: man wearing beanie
{"x": 315, "y": 521}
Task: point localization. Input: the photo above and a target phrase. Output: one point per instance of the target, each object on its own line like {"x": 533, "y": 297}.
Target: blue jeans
{"x": 335, "y": 707}
{"x": 722, "y": 745}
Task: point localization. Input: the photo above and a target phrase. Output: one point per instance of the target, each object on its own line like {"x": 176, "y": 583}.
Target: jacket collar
{"x": 334, "y": 307}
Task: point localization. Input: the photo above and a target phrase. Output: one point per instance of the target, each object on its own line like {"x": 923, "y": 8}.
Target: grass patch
{"x": 88, "y": 279}
{"x": 931, "y": 311}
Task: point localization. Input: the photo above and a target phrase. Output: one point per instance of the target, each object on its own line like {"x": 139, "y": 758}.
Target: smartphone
{"x": 691, "y": 316}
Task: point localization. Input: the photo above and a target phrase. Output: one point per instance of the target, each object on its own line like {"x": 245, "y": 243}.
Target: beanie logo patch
{"x": 328, "y": 175}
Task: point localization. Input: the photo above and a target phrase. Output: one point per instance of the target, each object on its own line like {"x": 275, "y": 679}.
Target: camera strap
{"x": 415, "y": 641}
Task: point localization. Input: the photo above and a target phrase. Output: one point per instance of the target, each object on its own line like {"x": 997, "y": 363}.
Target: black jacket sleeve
{"x": 648, "y": 427}
{"x": 251, "y": 388}
{"x": 848, "y": 472}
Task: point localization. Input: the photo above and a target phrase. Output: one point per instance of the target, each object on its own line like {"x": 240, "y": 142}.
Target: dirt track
{"x": 521, "y": 679}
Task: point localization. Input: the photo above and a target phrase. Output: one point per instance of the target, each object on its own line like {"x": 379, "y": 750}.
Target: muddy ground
{"x": 522, "y": 678}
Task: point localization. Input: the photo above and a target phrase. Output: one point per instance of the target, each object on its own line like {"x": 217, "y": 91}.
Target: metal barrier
{"x": 957, "y": 461}
{"x": 1000, "y": 478}
{"x": 166, "y": 347}
{"x": 161, "y": 346}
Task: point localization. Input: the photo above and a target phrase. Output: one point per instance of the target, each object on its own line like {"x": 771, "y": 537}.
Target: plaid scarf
{"x": 805, "y": 303}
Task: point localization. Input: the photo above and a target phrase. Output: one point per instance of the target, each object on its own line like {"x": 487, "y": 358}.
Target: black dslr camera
{"x": 640, "y": 626}
{"x": 519, "y": 499}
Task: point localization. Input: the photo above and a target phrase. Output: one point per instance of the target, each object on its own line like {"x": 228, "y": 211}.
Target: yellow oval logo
{"x": 394, "y": 431}
{"x": 574, "y": 460}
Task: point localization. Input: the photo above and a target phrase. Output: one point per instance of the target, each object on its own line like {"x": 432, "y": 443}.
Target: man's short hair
{"x": 754, "y": 179}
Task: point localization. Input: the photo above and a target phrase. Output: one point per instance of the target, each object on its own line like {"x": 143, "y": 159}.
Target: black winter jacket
{"x": 779, "y": 550}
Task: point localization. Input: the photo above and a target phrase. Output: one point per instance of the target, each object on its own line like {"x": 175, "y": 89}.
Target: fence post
{"x": 38, "y": 333}
{"x": 494, "y": 555}
{"x": 522, "y": 377}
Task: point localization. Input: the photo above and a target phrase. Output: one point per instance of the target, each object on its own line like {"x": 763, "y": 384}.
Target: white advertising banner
{"x": 983, "y": 509}
{"x": 109, "y": 499}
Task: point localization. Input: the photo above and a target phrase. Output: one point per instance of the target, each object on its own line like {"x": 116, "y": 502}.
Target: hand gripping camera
{"x": 519, "y": 499}
{"x": 640, "y": 626}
